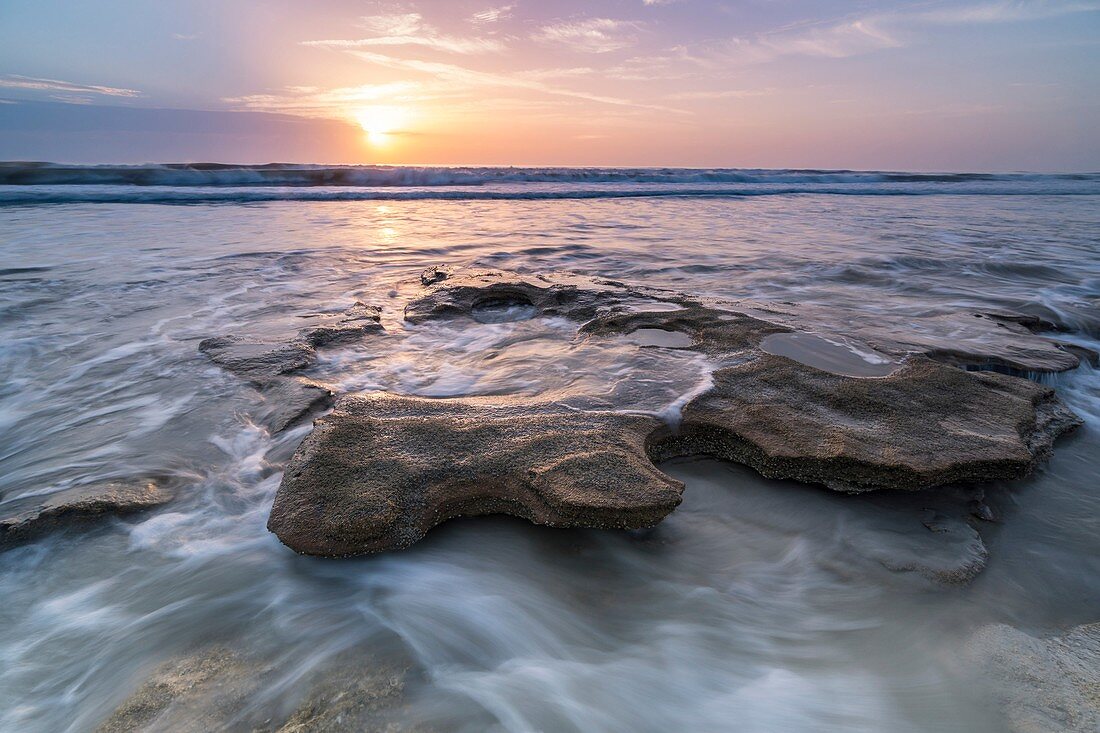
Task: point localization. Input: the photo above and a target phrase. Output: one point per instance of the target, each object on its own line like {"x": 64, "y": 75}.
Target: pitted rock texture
{"x": 381, "y": 470}
{"x": 27, "y": 519}
{"x": 925, "y": 425}
{"x": 270, "y": 366}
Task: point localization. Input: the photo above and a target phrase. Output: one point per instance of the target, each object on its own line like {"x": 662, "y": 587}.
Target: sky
{"x": 969, "y": 85}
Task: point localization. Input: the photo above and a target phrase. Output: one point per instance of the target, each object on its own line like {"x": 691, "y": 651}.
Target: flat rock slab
{"x": 28, "y": 518}
{"x": 925, "y": 425}
{"x": 381, "y": 470}
{"x": 257, "y": 361}
{"x": 1041, "y": 685}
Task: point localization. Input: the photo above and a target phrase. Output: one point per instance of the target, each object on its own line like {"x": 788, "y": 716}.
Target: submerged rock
{"x": 28, "y": 518}
{"x": 259, "y": 362}
{"x": 993, "y": 340}
{"x": 270, "y": 366}
{"x": 217, "y": 688}
{"x": 1041, "y": 685}
{"x": 289, "y": 400}
{"x": 202, "y": 692}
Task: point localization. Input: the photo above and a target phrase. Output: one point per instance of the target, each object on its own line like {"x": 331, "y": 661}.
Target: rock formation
{"x": 382, "y": 469}
{"x": 28, "y": 518}
{"x": 270, "y": 366}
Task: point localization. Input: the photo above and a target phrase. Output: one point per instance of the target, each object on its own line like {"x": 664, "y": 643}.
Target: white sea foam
{"x": 207, "y": 183}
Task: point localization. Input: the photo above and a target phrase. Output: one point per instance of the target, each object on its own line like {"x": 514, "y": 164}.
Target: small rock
{"x": 28, "y": 518}
{"x": 257, "y": 361}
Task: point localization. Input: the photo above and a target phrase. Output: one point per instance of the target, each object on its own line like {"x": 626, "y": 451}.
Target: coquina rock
{"x": 272, "y": 366}
{"x": 28, "y": 518}
{"x": 1039, "y": 684}
{"x": 382, "y": 469}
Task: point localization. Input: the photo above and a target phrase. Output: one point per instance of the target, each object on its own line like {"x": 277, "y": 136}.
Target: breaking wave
{"x": 29, "y": 183}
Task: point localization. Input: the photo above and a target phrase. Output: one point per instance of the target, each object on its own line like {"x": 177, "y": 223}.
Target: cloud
{"x": 409, "y": 29}
{"x": 595, "y": 35}
{"x": 453, "y": 76}
{"x": 185, "y": 36}
{"x": 1006, "y": 11}
{"x": 860, "y": 35}
{"x": 317, "y": 102}
{"x": 492, "y": 15}
{"x": 15, "y": 81}
{"x": 723, "y": 94}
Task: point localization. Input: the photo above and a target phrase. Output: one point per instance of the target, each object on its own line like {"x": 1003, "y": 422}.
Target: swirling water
{"x": 756, "y": 606}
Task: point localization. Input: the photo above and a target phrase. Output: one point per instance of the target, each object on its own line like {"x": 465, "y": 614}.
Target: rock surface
{"x": 1041, "y": 685}
{"x": 353, "y": 324}
{"x": 198, "y": 693}
{"x": 451, "y": 294}
{"x": 260, "y": 362}
{"x": 28, "y": 518}
{"x": 382, "y": 469}
{"x": 271, "y": 366}
{"x": 218, "y": 689}
{"x": 925, "y": 425}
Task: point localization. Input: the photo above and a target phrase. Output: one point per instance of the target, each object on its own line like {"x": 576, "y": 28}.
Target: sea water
{"x": 756, "y": 606}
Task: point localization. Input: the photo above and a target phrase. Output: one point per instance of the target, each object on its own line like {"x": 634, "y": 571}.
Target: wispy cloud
{"x": 318, "y": 102}
{"x": 595, "y": 35}
{"x": 864, "y": 34}
{"x": 722, "y": 94}
{"x": 409, "y": 29}
{"x": 454, "y": 75}
{"x": 1006, "y": 11}
{"x": 15, "y": 81}
{"x": 492, "y": 15}
{"x": 185, "y": 36}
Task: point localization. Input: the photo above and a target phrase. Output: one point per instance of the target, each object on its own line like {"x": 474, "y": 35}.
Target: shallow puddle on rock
{"x": 503, "y": 310}
{"x": 659, "y": 337}
{"x": 820, "y": 353}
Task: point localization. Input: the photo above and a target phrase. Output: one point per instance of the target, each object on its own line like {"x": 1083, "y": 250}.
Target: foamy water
{"x": 756, "y": 606}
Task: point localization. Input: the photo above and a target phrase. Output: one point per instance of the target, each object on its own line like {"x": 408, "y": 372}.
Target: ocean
{"x": 757, "y": 605}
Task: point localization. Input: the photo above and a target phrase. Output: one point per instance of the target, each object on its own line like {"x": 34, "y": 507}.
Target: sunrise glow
{"x": 380, "y": 123}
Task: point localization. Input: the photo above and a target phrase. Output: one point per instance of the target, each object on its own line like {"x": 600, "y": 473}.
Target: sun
{"x": 380, "y": 123}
